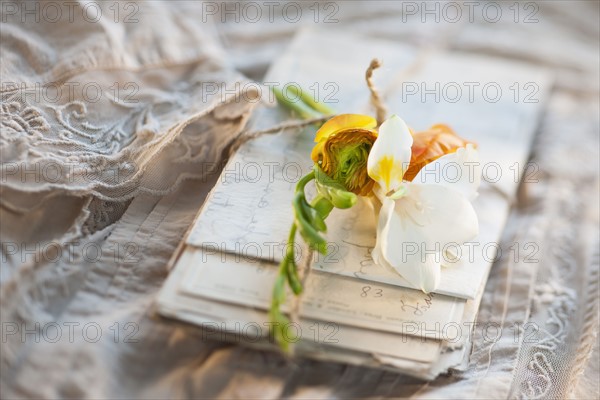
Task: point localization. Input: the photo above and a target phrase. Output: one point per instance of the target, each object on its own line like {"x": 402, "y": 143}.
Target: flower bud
{"x": 340, "y": 198}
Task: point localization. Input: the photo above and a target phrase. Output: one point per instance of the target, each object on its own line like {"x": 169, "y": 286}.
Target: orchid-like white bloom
{"x": 420, "y": 218}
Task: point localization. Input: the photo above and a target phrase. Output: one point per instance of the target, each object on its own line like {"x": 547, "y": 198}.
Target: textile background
{"x": 118, "y": 178}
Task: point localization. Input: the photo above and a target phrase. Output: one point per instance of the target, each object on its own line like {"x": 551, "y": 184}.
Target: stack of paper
{"x": 353, "y": 310}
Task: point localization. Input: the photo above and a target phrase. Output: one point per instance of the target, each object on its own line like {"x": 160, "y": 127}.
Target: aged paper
{"x": 249, "y": 213}
{"x": 248, "y": 325}
{"x": 353, "y": 310}
{"x": 327, "y": 298}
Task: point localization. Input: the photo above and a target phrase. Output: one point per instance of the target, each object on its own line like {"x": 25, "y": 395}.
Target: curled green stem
{"x": 309, "y": 221}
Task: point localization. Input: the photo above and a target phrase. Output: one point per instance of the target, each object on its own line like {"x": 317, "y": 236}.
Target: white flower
{"x": 418, "y": 219}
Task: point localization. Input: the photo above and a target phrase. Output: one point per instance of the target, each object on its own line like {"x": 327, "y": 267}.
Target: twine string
{"x": 376, "y": 101}
{"x": 246, "y": 136}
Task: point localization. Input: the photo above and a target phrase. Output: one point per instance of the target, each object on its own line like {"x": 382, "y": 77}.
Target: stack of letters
{"x": 354, "y": 311}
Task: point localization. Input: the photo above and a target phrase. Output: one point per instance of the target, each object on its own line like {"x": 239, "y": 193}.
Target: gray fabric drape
{"x": 119, "y": 176}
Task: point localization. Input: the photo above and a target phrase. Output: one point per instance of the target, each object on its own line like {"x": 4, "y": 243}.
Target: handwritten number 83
{"x": 375, "y": 293}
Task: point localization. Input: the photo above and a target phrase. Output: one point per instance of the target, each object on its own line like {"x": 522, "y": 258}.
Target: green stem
{"x": 310, "y": 101}
{"x": 322, "y": 205}
{"x": 288, "y": 264}
{"x": 309, "y": 219}
{"x": 304, "y": 180}
{"x": 292, "y": 235}
{"x": 287, "y": 272}
{"x": 288, "y": 269}
{"x": 297, "y": 106}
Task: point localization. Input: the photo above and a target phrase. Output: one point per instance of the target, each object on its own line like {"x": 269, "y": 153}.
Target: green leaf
{"x": 323, "y": 206}
{"x": 313, "y": 239}
{"x": 342, "y": 198}
{"x": 319, "y": 222}
{"x": 308, "y": 232}
{"x": 280, "y": 322}
{"x": 311, "y": 215}
{"x": 292, "y": 273}
{"x": 279, "y": 291}
{"x": 333, "y": 190}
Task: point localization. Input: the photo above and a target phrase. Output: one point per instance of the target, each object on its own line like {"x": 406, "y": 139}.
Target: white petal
{"x": 406, "y": 250}
{"x": 436, "y": 213}
{"x": 390, "y": 155}
{"x": 460, "y": 170}
{"x": 454, "y": 256}
{"x": 423, "y": 271}
{"x": 430, "y": 272}
{"x": 385, "y": 213}
{"x": 423, "y": 223}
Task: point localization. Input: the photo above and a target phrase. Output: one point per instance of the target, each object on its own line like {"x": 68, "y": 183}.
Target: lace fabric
{"x": 97, "y": 117}
{"x": 106, "y": 148}
{"x": 83, "y": 172}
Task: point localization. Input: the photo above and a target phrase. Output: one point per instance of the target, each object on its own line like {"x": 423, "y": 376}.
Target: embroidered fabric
{"x": 95, "y": 123}
{"x": 98, "y": 190}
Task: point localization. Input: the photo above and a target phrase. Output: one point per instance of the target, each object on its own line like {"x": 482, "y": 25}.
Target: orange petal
{"x": 430, "y": 145}
{"x": 345, "y": 121}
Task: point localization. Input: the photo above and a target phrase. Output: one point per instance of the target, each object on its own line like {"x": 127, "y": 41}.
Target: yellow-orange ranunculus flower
{"x": 342, "y": 150}
{"x": 430, "y": 145}
{"x": 344, "y": 142}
